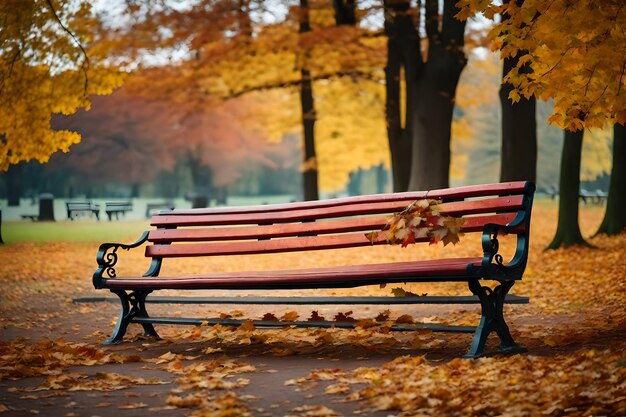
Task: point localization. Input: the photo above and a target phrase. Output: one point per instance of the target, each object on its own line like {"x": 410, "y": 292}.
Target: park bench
{"x": 489, "y": 211}
{"x": 115, "y": 208}
{"x": 78, "y": 208}
{"x": 163, "y": 205}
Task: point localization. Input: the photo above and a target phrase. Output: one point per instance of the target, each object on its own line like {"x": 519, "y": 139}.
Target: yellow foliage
{"x": 597, "y": 153}
{"x": 44, "y": 71}
{"x": 576, "y": 56}
{"x": 350, "y": 130}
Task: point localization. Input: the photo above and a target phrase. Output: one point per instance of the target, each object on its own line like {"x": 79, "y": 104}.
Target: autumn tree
{"x": 519, "y": 124}
{"x": 568, "y": 229}
{"x": 436, "y": 89}
{"x": 50, "y": 62}
{"x": 420, "y": 150}
{"x": 615, "y": 216}
{"x": 576, "y": 55}
{"x": 122, "y": 137}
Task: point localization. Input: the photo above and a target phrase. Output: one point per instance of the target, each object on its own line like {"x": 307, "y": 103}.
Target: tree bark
{"x": 310, "y": 181}
{"x": 432, "y": 120}
{"x": 14, "y": 184}
{"x": 518, "y": 159}
{"x": 568, "y": 229}
{"x": 614, "y": 221}
{"x": 403, "y": 53}
{"x": 345, "y": 12}
{"x": 202, "y": 178}
{"x": 1, "y": 241}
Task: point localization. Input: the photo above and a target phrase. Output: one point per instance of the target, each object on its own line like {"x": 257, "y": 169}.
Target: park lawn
{"x": 73, "y": 231}
{"x": 574, "y": 329}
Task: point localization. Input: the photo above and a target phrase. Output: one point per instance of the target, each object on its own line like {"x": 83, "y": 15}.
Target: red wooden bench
{"x": 328, "y": 224}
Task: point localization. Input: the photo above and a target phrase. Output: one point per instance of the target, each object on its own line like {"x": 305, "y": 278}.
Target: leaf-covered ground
{"x": 52, "y": 361}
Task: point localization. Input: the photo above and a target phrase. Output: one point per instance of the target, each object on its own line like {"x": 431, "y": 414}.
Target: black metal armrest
{"x": 107, "y": 258}
{"x": 492, "y": 265}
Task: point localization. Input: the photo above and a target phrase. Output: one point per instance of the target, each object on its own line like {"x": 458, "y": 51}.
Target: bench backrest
{"x": 326, "y": 224}
{"x": 81, "y": 205}
{"x": 119, "y": 205}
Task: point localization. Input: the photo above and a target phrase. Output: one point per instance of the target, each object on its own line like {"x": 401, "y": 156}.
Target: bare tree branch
{"x": 85, "y": 65}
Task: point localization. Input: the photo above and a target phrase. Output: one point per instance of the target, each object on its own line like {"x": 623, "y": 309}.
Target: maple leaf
{"x": 345, "y": 317}
{"x": 383, "y": 316}
{"x": 405, "y": 319}
{"x": 315, "y": 316}
{"x": 269, "y": 317}
{"x": 290, "y": 316}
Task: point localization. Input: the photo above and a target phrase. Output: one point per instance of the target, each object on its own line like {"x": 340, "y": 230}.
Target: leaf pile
{"x": 51, "y": 357}
{"x": 588, "y": 382}
{"x": 421, "y": 221}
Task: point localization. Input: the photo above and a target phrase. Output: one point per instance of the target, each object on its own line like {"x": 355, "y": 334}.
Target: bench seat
{"x": 460, "y": 269}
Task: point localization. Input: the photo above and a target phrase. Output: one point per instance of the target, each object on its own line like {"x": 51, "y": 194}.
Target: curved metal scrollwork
{"x": 111, "y": 260}
{"x": 107, "y": 259}
{"x": 491, "y": 246}
{"x": 499, "y": 261}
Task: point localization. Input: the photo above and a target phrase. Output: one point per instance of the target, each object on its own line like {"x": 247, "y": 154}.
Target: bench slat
{"x": 332, "y": 300}
{"x": 508, "y": 188}
{"x": 434, "y": 327}
{"x": 335, "y": 276}
{"x": 489, "y": 205}
{"x": 472, "y": 224}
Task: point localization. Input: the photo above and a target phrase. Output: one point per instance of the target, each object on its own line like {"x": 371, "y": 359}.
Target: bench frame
{"x": 116, "y": 207}
{"x": 492, "y": 267}
{"x": 82, "y": 207}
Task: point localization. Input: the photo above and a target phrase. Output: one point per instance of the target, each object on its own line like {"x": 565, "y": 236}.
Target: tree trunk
{"x": 381, "y": 179}
{"x": 309, "y": 116}
{"x": 568, "y": 229}
{"x": 345, "y": 12}
{"x": 432, "y": 119}
{"x": 202, "y": 178}
{"x": 614, "y": 221}
{"x": 518, "y": 159}
{"x": 1, "y": 241}
{"x": 403, "y": 52}
{"x": 14, "y": 184}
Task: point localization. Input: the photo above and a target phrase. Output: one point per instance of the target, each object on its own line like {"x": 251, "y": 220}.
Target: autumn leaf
{"x": 269, "y": 317}
{"x": 383, "y": 316}
{"x": 315, "y": 316}
{"x": 345, "y": 317}
{"x": 290, "y": 316}
{"x": 405, "y": 319}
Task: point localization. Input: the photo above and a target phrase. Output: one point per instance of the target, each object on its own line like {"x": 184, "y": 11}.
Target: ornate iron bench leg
{"x": 492, "y": 319}
{"x": 133, "y": 305}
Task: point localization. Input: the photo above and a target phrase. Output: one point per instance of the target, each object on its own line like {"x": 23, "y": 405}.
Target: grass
{"x": 73, "y": 231}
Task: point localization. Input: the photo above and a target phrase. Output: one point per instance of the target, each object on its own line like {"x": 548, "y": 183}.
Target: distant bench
{"x": 115, "y": 208}
{"x": 164, "y": 205}
{"x": 77, "y": 208}
{"x": 490, "y": 210}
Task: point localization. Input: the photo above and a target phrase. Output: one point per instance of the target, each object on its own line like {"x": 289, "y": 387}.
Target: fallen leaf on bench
{"x": 225, "y": 316}
{"x": 290, "y": 316}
